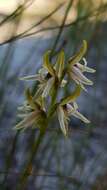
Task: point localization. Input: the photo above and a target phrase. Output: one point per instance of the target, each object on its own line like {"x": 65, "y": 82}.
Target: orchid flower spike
{"x": 37, "y": 110}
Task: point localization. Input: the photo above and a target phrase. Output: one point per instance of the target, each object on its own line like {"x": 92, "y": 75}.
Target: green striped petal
{"x": 62, "y": 120}
{"x": 47, "y": 65}
{"x": 48, "y": 87}
{"x": 72, "y": 97}
{"x": 30, "y": 100}
{"x": 27, "y": 121}
{"x": 59, "y": 66}
{"x": 77, "y": 57}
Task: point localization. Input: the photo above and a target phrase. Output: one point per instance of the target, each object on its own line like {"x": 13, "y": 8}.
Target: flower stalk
{"x": 38, "y": 109}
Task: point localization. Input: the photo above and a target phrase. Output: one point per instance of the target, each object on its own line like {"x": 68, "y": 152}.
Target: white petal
{"x": 61, "y": 118}
{"x": 40, "y": 90}
{"x": 75, "y": 105}
{"x": 84, "y": 68}
{"x": 83, "y": 87}
{"x": 28, "y": 121}
{"x": 70, "y": 109}
{"x": 81, "y": 117}
{"x": 48, "y": 87}
{"x": 63, "y": 83}
{"x": 78, "y": 82}
{"x": 24, "y": 108}
{"x": 31, "y": 77}
{"x": 85, "y": 61}
{"x": 21, "y": 115}
{"x": 80, "y": 77}
{"x": 80, "y": 66}
{"x": 75, "y": 78}
{"x": 43, "y": 72}
{"x": 89, "y": 70}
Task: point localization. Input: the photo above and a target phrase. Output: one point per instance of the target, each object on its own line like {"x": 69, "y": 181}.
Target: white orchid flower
{"x": 48, "y": 74}
{"x": 68, "y": 107}
{"x": 72, "y": 110}
{"x": 28, "y": 120}
{"x": 65, "y": 112}
{"x": 76, "y": 69}
{"x": 30, "y": 113}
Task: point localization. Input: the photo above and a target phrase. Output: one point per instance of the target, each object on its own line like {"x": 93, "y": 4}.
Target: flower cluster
{"x": 38, "y": 109}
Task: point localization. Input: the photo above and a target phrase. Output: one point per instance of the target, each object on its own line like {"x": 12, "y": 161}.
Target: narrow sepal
{"x": 48, "y": 87}
{"x": 46, "y": 63}
{"x": 72, "y": 97}
{"x": 77, "y": 74}
{"x": 81, "y": 117}
{"x": 62, "y": 120}
{"x": 31, "y": 101}
{"x": 59, "y": 66}
{"x": 27, "y": 121}
{"x": 77, "y": 57}
{"x": 31, "y": 77}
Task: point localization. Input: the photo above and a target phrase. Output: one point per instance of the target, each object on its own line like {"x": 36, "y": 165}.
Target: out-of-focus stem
{"x": 9, "y": 159}
{"x": 34, "y": 149}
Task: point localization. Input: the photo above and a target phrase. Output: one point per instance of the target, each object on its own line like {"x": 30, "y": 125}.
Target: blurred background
{"x": 27, "y": 29}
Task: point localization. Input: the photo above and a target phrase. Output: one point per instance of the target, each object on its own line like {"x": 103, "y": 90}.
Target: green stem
{"x": 35, "y": 147}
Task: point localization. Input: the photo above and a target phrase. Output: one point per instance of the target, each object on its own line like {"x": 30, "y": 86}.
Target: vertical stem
{"x": 35, "y": 147}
